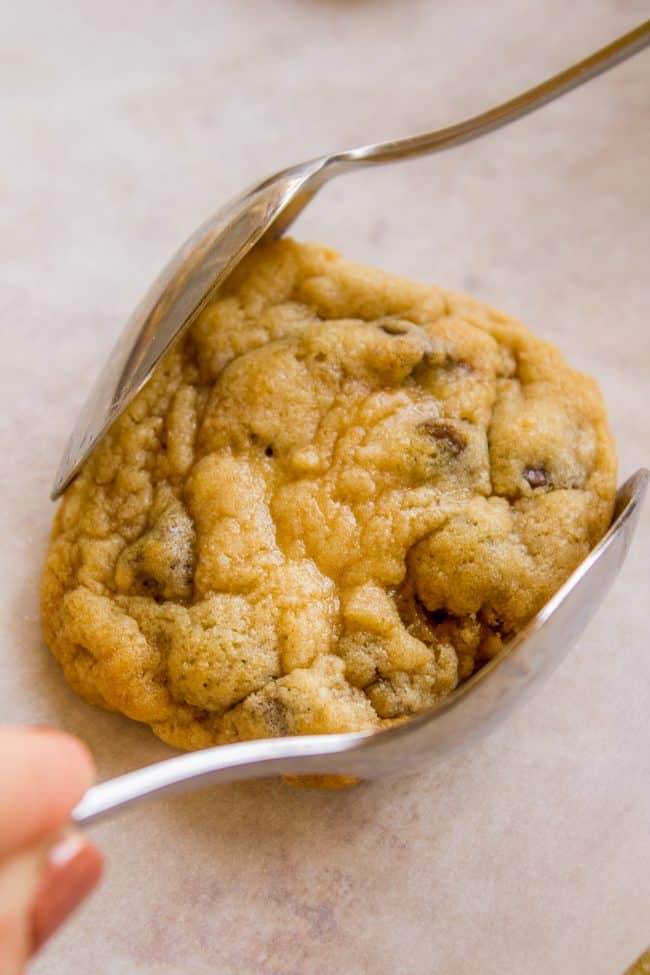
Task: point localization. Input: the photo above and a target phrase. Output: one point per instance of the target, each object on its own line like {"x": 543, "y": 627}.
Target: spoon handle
{"x": 302, "y": 754}
{"x": 494, "y": 118}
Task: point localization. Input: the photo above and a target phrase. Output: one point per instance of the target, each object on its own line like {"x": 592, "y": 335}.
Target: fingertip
{"x": 69, "y": 751}
{"x": 45, "y": 771}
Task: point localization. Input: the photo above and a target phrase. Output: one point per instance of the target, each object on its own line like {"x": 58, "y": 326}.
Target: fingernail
{"x": 72, "y": 868}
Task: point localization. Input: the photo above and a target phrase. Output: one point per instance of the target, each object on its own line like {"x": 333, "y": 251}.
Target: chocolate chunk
{"x": 268, "y": 451}
{"x": 489, "y": 618}
{"x": 149, "y": 587}
{"x": 459, "y": 365}
{"x": 434, "y": 617}
{"x": 441, "y": 358}
{"x": 447, "y": 434}
{"x": 536, "y": 476}
{"x": 274, "y": 715}
{"x": 437, "y": 616}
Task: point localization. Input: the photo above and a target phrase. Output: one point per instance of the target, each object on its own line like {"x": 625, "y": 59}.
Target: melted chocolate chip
{"x": 447, "y": 434}
{"x": 492, "y": 621}
{"x": 274, "y": 715}
{"x": 149, "y": 584}
{"x": 437, "y": 616}
{"x": 536, "y": 476}
{"x": 434, "y": 617}
{"x": 268, "y": 451}
{"x": 440, "y": 358}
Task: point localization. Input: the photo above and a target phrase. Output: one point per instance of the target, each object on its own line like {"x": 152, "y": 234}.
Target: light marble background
{"x": 123, "y": 125}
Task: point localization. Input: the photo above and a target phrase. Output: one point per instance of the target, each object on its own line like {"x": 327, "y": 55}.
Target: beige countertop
{"x": 124, "y": 124}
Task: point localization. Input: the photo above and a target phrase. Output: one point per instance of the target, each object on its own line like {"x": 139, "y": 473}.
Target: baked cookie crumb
{"x": 336, "y": 498}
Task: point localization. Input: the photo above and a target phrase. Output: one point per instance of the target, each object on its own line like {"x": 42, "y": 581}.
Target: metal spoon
{"x": 211, "y": 253}
{"x": 470, "y": 711}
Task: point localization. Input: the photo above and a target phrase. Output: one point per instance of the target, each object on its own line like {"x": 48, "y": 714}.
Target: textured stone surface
{"x": 124, "y": 125}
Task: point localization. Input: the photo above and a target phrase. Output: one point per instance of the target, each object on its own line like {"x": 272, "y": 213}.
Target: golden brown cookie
{"x": 641, "y": 965}
{"x": 336, "y": 497}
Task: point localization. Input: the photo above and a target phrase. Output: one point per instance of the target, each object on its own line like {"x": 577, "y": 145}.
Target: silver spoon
{"x": 470, "y": 711}
{"x": 211, "y": 253}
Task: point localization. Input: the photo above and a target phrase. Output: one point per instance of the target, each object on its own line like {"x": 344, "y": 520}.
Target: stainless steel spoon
{"x": 470, "y": 711}
{"x": 212, "y": 252}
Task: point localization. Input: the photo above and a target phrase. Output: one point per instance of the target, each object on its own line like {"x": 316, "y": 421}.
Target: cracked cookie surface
{"x": 335, "y": 499}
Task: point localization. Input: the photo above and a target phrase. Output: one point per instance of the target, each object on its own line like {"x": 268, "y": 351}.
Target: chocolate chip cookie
{"x": 336, "y": 498}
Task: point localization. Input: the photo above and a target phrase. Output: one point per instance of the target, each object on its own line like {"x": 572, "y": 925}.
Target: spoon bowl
{"x": 205, "y": 260}
{"x": 471, "y": 711}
